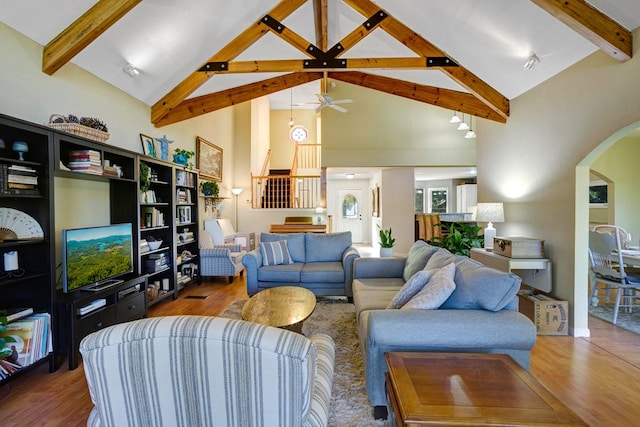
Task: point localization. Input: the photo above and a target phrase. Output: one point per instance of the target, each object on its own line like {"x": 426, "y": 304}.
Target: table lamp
{"x": 489, "y": 212}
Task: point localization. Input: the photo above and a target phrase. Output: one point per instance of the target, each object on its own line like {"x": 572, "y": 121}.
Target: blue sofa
{"x": 480, "y": 316}
{"x": 322, "y": 263}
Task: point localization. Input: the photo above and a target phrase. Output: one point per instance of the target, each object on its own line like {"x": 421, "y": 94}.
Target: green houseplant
{"x": 182, "y": 157}
{"x": 386, "y": 242}
{"x": 459, "y": 238}
{"x": 210, "y": 188}
{"x": 145, "y": 179}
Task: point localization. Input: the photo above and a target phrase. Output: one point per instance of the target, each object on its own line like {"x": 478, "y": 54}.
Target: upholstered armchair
{"x": 207, "y": 371}
{"x": 219, "y": 259}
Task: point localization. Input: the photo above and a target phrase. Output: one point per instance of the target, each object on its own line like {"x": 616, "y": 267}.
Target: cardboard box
{"x": 518, "y": 247}
{"x": 551, "y": 316}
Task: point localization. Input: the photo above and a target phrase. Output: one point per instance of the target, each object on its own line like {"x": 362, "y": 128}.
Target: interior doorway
{"x": 351, "y": 210}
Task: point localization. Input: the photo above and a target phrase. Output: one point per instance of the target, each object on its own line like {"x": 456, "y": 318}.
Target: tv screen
{"x": 93, "y": 257}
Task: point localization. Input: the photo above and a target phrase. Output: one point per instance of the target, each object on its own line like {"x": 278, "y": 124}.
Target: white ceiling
{"x": 167, "y": 40}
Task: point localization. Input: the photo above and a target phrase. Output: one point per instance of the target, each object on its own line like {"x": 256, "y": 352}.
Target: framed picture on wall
{"x": 148, "y": 145}
{"x": 209, "y": 160}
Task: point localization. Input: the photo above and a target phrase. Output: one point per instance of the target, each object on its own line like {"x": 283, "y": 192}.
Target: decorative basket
{"x": 77, "y": 129}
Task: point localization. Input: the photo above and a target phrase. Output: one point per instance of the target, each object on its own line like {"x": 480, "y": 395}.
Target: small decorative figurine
{"x": 164, "y": 147}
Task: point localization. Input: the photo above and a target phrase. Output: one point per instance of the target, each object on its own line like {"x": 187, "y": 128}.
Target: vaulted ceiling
{"x": 195, "y": 57}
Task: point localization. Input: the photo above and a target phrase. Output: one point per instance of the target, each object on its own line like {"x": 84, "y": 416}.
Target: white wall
{"x": 530, "y": 163}
{"x": 398, "y": 210}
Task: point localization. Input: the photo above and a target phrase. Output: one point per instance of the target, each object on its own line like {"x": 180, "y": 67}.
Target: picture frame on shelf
{"x": 148, "y": 145}
{"x": 209, "y": 160}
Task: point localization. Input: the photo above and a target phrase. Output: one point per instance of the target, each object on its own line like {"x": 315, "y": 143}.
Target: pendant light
{"x": 455, "y": 118}
{"x": 470, "y": 134}
{"x": 463, "y": 125}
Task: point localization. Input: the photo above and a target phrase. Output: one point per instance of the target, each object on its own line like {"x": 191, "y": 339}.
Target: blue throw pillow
{"x": 417, "y": 258}
{"x": 275, "y": 253}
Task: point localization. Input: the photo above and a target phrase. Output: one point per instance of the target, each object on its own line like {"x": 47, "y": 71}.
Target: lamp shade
{"x": 490, "y": 212}
{"x": 236, "y": 191}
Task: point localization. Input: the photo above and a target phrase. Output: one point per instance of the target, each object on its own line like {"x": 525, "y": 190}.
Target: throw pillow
{"x": 275, "y": 253}
{"x": 436, "y": 291}
{"x": 409, "y": 289}
{"x": 417, "y": 258}
{"x": 295, "y": 243}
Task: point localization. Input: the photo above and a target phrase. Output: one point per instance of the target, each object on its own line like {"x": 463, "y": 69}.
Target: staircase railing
{"x": 286, "y": 191}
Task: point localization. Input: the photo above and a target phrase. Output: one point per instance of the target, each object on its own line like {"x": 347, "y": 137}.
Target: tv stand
{"x": 125, "y": 300}
{"x": 102, "y": 285}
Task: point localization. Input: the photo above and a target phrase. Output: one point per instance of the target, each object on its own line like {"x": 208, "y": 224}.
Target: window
{"x": 438, "y": 200}
{"x": 350, "y": 206}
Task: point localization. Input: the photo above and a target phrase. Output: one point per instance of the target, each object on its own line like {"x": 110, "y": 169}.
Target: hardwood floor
{"x": 597, "y": 377}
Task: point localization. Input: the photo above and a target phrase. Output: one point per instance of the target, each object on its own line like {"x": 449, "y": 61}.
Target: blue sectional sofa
{"x": 322, "y": 263}
{"x": 480, "y": 316}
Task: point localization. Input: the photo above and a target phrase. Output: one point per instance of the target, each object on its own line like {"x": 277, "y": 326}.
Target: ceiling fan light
{"x": 463, "y": 126}
{"x": 470, "y": 134}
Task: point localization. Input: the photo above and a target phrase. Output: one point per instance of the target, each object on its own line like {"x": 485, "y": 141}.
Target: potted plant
{"x": 182, "y": 157}
{"x": 145, "y": 180}
{"x": 386, "y": 242}
{"x": 209, "y": 188}
{"x": 459, "y": 238}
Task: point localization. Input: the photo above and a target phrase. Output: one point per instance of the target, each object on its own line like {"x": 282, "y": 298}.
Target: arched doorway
{"x": 581, "y": 243}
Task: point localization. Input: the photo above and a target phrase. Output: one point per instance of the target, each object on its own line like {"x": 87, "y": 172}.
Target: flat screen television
{"x": 598, "y": 194}
{"x": 93, "y": 258}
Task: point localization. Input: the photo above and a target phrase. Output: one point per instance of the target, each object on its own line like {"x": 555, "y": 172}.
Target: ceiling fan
{"x": 326, "y": 101}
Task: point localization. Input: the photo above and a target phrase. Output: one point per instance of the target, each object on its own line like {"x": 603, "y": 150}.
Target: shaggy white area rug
{"x": 350, "y": 406}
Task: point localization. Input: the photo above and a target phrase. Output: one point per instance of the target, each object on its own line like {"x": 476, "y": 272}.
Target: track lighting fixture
{"x": 131, "y": 70}
{"x": 532, "y": 62}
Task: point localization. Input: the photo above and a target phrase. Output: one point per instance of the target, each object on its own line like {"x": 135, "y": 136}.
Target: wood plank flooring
{"x": 597, "y": 377}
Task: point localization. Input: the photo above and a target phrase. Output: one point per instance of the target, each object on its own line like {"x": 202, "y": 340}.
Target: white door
{"x": 350, "y": 210}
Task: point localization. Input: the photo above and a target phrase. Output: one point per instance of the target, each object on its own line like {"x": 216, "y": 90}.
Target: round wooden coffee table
{"x": 284, "y": 307}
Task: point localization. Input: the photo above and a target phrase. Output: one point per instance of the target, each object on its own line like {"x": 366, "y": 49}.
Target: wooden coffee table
{"x": 283, "y": 307}
{"x": 455, "y": 389}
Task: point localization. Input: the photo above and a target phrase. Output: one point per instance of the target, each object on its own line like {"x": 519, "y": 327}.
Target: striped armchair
{"x": 207, "y": 371}
{"x": 219, "y": 260}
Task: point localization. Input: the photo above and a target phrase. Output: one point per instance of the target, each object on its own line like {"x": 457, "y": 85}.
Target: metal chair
{"x": 606, "y": 266}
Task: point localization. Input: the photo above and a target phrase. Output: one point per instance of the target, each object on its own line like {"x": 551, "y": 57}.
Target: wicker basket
{"x": 77, "y": 129}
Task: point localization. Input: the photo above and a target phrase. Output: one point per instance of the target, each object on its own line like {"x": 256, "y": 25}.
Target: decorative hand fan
{"x": 17, "y": 225}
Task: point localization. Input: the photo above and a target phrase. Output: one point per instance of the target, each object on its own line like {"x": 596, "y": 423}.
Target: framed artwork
{"x": 209, "y": 160}
{"x": 148, "y": 145}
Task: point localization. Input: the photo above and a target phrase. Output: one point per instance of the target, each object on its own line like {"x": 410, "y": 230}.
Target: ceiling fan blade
{"x": 320, "y": 107}
{"x": 343, "y": 101}
{"x": 337, "y": 107}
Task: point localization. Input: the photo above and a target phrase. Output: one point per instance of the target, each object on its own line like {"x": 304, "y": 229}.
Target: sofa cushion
{"x": 436, "y": 291}
{"x": 285, "y": 273}
{"x": 477, "y": 286}
{"x": 410, "y": 289}
{"x": 295, "y": 243}
{"x": 326, "y": 247}
{"x": 417, "y": 258}
{"x": 328, "y": 272}
{"x": 275, "y": 253}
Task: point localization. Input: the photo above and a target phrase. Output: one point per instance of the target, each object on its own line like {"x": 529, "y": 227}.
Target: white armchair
{"x": 207, "y": 371}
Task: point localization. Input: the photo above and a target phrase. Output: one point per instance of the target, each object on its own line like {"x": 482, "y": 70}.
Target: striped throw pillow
{"x": 275, "y": 253}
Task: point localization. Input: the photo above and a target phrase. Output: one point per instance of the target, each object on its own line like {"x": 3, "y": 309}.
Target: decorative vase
{"x": 386, "y": 252}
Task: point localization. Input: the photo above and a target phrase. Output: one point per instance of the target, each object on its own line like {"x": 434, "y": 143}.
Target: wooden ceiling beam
{"x": 84, "y": 30}
{"x": 593, "y": 25}
{"x": 321, "y": 19}
{"x": 445, "y": 98}
{"x": 464, "y": 77}
{"x": 227, "y": 53}
{"x": 204, "y": 104}
{"x": 356, "y": 36}
{"x": 298, "y": 65}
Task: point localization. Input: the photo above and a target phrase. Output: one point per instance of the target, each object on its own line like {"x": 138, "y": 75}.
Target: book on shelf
{"x": 16, "y": 179}
{"x": 28, "y": 340}
{"x": 16, "y": 313}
